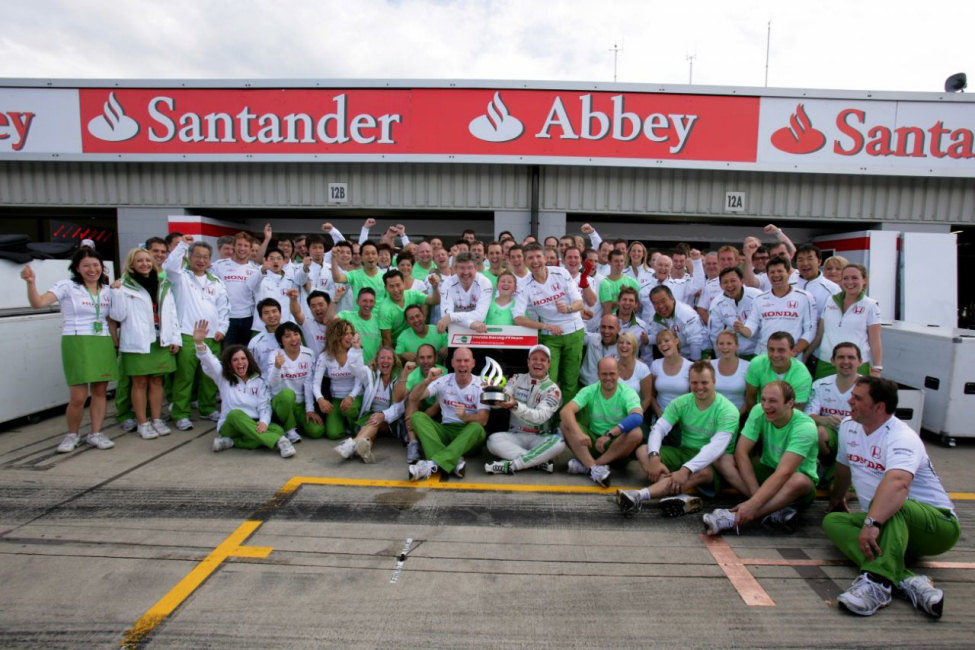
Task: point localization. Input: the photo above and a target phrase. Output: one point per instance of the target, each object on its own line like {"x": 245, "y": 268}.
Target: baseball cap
{"x": 540, "y": 348}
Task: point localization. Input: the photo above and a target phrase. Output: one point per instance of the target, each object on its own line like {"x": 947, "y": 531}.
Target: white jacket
{"x": 196, "y": 300}
{"x": 250, "y": 395}
{"x": 132, "y": 307}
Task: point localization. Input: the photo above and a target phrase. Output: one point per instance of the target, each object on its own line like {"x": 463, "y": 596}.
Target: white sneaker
{"x": 146, "y": 432}
{"x": 292, "y": 435}
{"x": 680, "y": 504}
{"x": 99, "y": 440}
{"x": 422, "y": 469}
{"x": 575, "y": 467}
{"x": 923, "y": 595}
{"x": 629, "y": 502}
{"x": 346, "y": 448}
{"x": 215, "y": 416}
{"x": 128, "y": 426}
{"x": 547, "y": 467}
{"x": 498, "y": 467}
{"x": 363, "y": 449}
{"x": 70, "y": 442}
{"x": 718, "y": 520}
{"x": 599, "y": 475}
{"x": 184, "y": 424}
{"x": 287, "y": 449}
{"x": 785, "y": 518}
{"x": 159, "y": 426}
{"x": 460, "y": 467}
{"x": 864, "y": 597}
{"x": 222, "y": 442}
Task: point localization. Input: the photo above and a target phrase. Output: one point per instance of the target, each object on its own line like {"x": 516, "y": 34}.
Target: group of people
{"x": 728, "y": 368}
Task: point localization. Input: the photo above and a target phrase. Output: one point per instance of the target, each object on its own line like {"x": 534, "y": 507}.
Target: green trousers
{"x": 242, "y": 429}
{"x": 187, "y": 367}
{"x": 123, "y": 398}
{"x": 917, "y": 529}
{"x": 566, "y": 360}
{"x": 340, "y": 423}
{"x": 444, "y": 444}
{"x": 291, "y": 414}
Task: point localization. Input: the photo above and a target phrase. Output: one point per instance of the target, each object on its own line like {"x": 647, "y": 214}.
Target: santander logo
{"x": 113, "y": 125}
{"x": 498, "y": 125}
{"x": 799, "y": 137}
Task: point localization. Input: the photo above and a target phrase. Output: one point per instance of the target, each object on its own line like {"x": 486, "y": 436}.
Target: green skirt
{"x": 158, "y": 361}
{"x": 88, "y": 359}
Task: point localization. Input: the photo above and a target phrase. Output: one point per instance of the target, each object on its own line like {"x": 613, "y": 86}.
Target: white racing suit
{"x": 530, "y": 440}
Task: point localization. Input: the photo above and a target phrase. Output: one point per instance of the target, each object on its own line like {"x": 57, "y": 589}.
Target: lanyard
{"x": 96, "y": 326}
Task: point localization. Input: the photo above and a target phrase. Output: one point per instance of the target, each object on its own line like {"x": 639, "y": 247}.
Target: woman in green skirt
{"x": 87, "y": 341}
{"x": 150, "y": 337}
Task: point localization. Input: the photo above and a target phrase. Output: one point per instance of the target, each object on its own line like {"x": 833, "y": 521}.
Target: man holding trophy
{"x": 533, "y": 399}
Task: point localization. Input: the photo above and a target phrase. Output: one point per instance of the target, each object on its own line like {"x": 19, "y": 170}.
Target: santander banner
{"x": 501, "y": 125}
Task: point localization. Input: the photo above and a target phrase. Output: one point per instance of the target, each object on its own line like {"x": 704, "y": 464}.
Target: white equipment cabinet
{"x": 941, "y": 362}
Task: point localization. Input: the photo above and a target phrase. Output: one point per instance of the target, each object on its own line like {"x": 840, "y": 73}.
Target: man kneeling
{"x": 533, "y": 399}
{"x": 708, "y": 423}
{"x": 614, "y": 417}
{"x": 786, "y": 472}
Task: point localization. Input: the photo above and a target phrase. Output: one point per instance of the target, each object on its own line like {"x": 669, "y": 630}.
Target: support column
{"x": 136, "y": 225}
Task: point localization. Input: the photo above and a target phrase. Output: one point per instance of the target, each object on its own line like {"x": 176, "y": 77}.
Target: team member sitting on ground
{"x": 786, "y": 472}
{"x": 463, "y": 414}
{"x": 245, "y": 415}
{"x": 340, "y": 361}
{"x": 383, "y": 412}
{"x": 531, "y": 439}
{"x": 906, "y": 511}
{"x": 614, "y": 417}
{"x": 291, "y": 372}
{"x": 829, "y": 403}
{"x": 426, "y": 359}
{"x": 708, "y": 424}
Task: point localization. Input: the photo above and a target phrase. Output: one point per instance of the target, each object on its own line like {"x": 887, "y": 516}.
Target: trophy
{"x": 492, "y": 391}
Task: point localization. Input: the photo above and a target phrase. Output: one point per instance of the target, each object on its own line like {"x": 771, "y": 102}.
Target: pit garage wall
{"x": 147, "y": 192}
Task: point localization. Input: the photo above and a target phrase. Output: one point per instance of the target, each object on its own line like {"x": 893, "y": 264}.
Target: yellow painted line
{"x": 232, "y": 546}
{"x": 435, "y": 484}
{"x": 962, "y": 496}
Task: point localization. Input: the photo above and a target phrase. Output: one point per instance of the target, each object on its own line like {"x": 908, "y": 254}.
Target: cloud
{"x": 864, "y": 45}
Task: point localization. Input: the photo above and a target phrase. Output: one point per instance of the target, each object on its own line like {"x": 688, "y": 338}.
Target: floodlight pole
{"x": 768, "y": 41}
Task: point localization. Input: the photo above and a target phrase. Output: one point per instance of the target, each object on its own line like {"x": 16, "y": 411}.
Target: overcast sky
{"x": 875, "y": 45}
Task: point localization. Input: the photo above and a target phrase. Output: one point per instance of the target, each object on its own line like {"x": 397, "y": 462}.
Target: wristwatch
{"x": 870, "y": 521}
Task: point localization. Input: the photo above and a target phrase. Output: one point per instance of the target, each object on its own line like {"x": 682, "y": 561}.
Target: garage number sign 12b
{"x": 338, "y": 192}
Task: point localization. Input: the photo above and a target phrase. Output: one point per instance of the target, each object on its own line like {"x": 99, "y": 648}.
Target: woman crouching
{"x": 245, "y": 411}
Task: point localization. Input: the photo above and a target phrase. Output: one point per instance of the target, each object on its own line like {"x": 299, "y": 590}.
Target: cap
{"x": 541, "y": 348}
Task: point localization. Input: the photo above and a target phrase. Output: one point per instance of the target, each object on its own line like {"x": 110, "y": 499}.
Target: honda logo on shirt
{"x": 793, "y": 304}
{"x": 875, "y": 451}
{"x": 858, "y": 310}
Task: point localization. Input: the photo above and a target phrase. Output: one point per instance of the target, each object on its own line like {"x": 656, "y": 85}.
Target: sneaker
{"x": 215, "y": 416}
{"x": 629, "y": 502}
{"x": 146, "y": 432}
{"x": 923, "y": 595}
{"x": 128, "y": 426}
{"x": 575, "y": 467}
{"x": 718, "y": 520}
{"x": 99, "y": 440}
{"x": 681, "y": 504}
{"x": 184, "y": 424}
{"x": 346, "y": 448}
{"x": 599, "y": 475}
{"x": 498, "y": 467}
{"x": 864, "y": 597}
{"x": 785, "y": 518}
{"x": 363, "y": 449}
{"x": 460, "y": 467}
{"x": 422, "y": 469}
{"x": 70, "y": 442}
{"x": 287, "y": 449}
{"x": 413, "y": 451}
{"x": 548, "y": 467}
{"x": 222, "y": 442}
{"x": 159, "y": 426}
{"x": 292, "y": 436}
